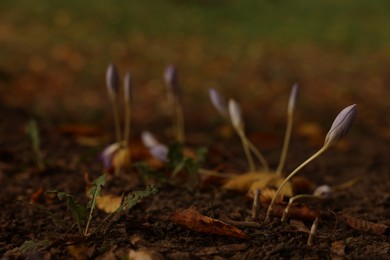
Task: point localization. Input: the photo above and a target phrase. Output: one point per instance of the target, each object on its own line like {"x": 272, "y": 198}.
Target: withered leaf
{"x": 108, "y": 203}
{"x": 192, "y": 219}
{"x": 363, "y": 225}
{"x": 249, "y": 182}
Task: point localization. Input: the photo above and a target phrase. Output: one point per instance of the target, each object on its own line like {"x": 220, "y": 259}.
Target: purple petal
{"x": 341, "y": 125}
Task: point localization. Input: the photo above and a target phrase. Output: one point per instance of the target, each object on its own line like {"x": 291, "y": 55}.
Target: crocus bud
{"x": 293, "y": 99}
{"x": 112, "y": 80}
{"x": 235, "y": 114}
{"x": 170, "y": 77}
{"x": 127, "y": 87}
{"x": 160, "y": 152}
{"x": 219, "y": 102}
{"x": 323, "y": 191}
{"x": 148, "y": 139}
{"x": 341, "y": 125}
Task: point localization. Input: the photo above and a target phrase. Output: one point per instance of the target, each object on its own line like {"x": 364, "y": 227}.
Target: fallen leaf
{"x": 363, "y": 225}
{"x": 79, "y": 252}
{"x": 301, "y": 212}
{"x": 108, "y": 203}
{"x": 192, "y": 219}
{"x": 299, "y": 225}
{"x": 36, "y": 196}
{"x": 144, "y": 254}
{"x": 338, "y": 248}
{"x": 251, "y": 181}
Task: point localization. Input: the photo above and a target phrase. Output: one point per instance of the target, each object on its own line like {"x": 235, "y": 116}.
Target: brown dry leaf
{"x": 192, "y": 219}
{"x": 79, "y": 252}
{"x": 36, "y": 196}
{"x": 301, "y": 212}
{"x": 144, "y": 254}
{"x": 271, "y": 180}
{"x": 338, "y": 248}
{"x": 251, "y": 181}
{"x": 363, "y": 225}
{"x": 299, "y": 225}
{"x": 108, "y": 203}
{"x": 121, "y": 158}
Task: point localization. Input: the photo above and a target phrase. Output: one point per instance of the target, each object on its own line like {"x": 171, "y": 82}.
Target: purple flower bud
{"x": 170, "y": 77}
{"x": 235, "y": 114}
{"x": 127, "y": 87}
{"x": 148, "y": 139}
{"x": 293, "y": 99}
{"x": 108, "y": 154}
{"x": 112, "y": 80}
{"x": 341, "y": 125}
{"x": 160, "y": 152}
{"x": 219, "y": 102}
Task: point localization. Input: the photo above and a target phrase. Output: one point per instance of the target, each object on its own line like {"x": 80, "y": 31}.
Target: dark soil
{"x": 149, "y": 226}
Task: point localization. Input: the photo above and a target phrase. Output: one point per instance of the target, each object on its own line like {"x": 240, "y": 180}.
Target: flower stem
{"x": 286, "y": 142}
{"x": 270, "y": 207}
{"x": 259, "y": 156}
{"x": 245, "y": 145}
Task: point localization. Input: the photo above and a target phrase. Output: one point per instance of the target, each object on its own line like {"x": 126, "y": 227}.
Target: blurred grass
{"x": 338, "y": 50}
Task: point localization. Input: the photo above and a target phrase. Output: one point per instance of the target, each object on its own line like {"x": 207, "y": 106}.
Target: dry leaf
{"x": 79, "y": 252}
{"x": 338, "y": 248}
{"x": 36, "y": 196}
{"x": 363, "y": 225}
{"x": 192, "y": 219}
{"x": 299, "y": 225}
{"x": 274, "y": 181}
{"x": 249, "y": 182}
{"x": 144, "y": 254}
{"x": 108, "y": 203}
{"x": 301, "y": 212}
{"x": 121, "y": 158}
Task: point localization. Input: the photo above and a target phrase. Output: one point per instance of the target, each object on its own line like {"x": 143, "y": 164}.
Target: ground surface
{"x": 53, "y": 61}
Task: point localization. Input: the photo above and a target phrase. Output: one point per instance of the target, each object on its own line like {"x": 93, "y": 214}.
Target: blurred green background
{"x": 53, "y": 55}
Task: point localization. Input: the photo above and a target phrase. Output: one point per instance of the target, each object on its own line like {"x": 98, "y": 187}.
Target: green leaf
{"x": 79, "y": 212}
{"x": 135, "y": 197}
{"x": 175, "y": 155}
{"x": 94, "y": 191}
{"x": 33, "y": 133}
{"x": 30, "y": 246}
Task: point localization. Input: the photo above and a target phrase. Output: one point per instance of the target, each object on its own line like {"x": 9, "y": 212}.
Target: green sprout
{"x": 80, "y": 213}
{"x": 112, "y": 81}
{"x": 232, "y": 113}
{"x": 33, "y": 133}
{"x": 174, "y": 98}
{"x": 120, "y": 147}
{"x": 287, "y": 137}
{"x": 339, "y": 128}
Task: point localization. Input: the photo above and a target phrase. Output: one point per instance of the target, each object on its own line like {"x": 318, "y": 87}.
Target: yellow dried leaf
{"x": 244, "y": 181}
{"x": 108, "y": 203}
{"x": 121, "y": 158}
{"x": 273, "y": 182}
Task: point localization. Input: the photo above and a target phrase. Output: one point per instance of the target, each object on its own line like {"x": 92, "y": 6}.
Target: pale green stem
{"x": 258, "y": 155}
{"x": 270, "y": 207}
{"x": 207, "y": 172}
{"x": 90, "y": 214}
{"x": 180, "y": 134}
{"x": 286, "y": 143}
{"x": 247, "y": 151}
{"x": 115, "y": 109}
{"x": 291, "y": 201}
{"x": 127, "y": 122}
